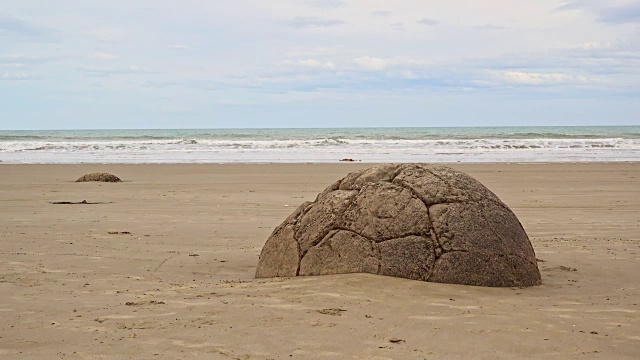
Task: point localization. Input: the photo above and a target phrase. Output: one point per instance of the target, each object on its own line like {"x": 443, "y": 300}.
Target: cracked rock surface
{"x": 415, "y": 221}
{"x": 103, "y": 177}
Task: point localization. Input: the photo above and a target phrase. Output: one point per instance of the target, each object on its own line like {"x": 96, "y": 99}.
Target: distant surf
{"x": 470, "y": 145}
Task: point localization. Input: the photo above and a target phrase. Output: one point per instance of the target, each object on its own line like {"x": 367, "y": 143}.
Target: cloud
{"x": 428, "y": 22}
{"x": 326, "y": 4}
{"x": 317, "y": 64}
{"x": 571, "y": 5}
{"x": 99, "y": 55}
{"x": 592, "y": 46}
{"x": 623, "y": 14}
{"x": 16, "y": 76}
{"x": 108, "y": 34}
{"x": 381, "y": 13}
{"x": 12, "y": 65}
{"x": 532, "y": 78}
{"x": 371, "y": 63}
{"x": 397, "y": 26}
{"x": 181, "y": 47}
{"x": 313, "y": 22}
{"x": 106, "y": 71}
{"x": 312, "y": 63}
{"x": 331, "y": 48}
{"x": 13, "y": 26}
{"x": 21, "y": 60}
{"x": 314, "y": 51}
{"x": 488, "y": 27}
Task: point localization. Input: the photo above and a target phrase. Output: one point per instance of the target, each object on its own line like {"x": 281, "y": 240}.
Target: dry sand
{"x": 178, "y": 284}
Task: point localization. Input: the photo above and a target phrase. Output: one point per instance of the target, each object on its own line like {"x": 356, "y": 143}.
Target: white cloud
{"x": 408, "y": 74}
{"x": 181, "y": 47}
{"x": 302, "y": 22}
{"x": 12, "y": 57}
{"x": 314, "y": 51}
{"x": 12, "y": 65}
{"x": 10, "y": 25}
{"x": 26, "y": 59}
{"x": 109, "y": 71}
{"x": 326, "y": 4}
{"x": 350, "y": 49}
{"x": 532, "y": 78}
{"x": 488, "y": 27}
{"x": 16, "y": 76}
{"x": 610, "y": 12}
{"x": 428, "y": 22}
{"x": 592, "y": 46}
{"x": 103, "y": 55}
{"x": 316, "y": 63}
{"x": 108, "y": 34}
{"x": 397, "y": 26}
{"x": 381, "y": 13}
{"x": 371, "y": 63}
{"x": 312, "y": 63}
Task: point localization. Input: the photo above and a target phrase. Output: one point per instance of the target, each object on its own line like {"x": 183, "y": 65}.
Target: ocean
{"x": 434, "y": 145}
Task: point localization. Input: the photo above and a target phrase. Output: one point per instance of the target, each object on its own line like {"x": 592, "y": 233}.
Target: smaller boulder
{"x": 104, "y": 177}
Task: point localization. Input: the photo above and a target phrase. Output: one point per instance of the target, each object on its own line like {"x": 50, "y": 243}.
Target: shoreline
{"x": 336, "y": 162}
{"x": 181, "y": 284}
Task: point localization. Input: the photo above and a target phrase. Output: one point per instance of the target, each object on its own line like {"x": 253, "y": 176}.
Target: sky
{"x": 78, "y": 64}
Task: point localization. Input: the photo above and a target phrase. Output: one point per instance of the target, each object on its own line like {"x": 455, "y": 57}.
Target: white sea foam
{"x": 372, "y": 145}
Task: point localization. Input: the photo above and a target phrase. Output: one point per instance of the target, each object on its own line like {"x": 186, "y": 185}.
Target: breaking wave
{"x": 320, "y": 145}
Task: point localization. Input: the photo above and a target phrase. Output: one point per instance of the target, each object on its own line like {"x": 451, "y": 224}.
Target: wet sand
{"x": 164, "y": 270}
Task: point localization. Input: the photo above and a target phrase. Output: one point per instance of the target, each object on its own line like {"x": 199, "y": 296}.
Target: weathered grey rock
{"x": 281, "y": 249}
{"x": 415, "y": 221}
{"x": 410, "y": 257}
{"x": 340, "y": 252}
{"x": 104, "y": 177}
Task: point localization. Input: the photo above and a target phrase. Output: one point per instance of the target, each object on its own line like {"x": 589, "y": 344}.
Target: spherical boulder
{"x": 104, "y": 177}
{"x": 415, "y": 221}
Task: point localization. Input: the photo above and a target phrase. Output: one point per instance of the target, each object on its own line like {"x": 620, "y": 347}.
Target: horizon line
{"x": 338, "y": 127}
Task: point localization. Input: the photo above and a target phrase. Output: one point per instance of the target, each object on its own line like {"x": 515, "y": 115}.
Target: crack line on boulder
{"x": 500, "y": 236}
{"x": 381, "y": 184}
{"x": 324, "y": 234}
{"x": 303, "y": 213}
{"x": 376, "y": 249}
{"x": 413, "y": 192}
{"x": 295, "y": 237}
{"x": 299, "y": 254}
{"x": 339, "y": 228}
{"x": 418, "y": 234}
{"x": 340, "y": 216}
{"x": 317, "y": 240}
{"x": 433, "y": 235}
{"x": 431, "y": 229}
{"x": 316, "y": 243}
{"x": 441, "y": 179}
{"x": 467, "y": 193}
{"x": 396, "y": 172}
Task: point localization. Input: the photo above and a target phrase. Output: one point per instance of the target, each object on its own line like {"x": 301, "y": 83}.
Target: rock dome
{"x": 104, "y": 177}
{"x": 415, "y": 221}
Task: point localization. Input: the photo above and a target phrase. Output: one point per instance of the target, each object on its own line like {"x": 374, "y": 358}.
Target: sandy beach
{"x": 163, "y": 266}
